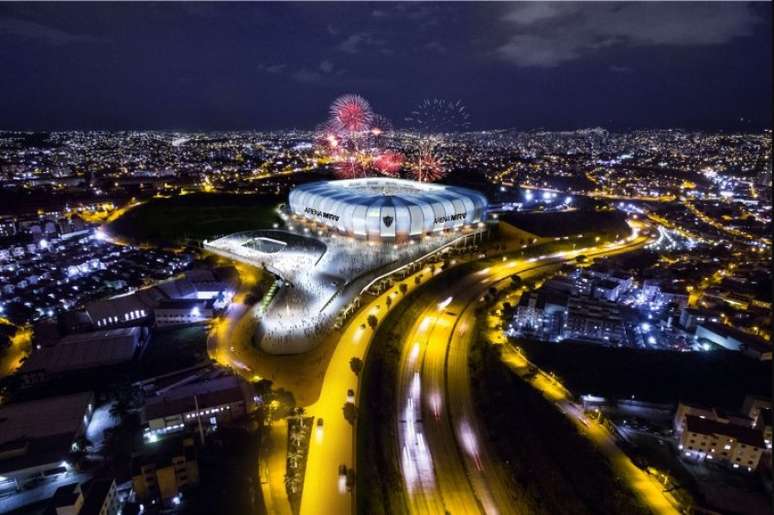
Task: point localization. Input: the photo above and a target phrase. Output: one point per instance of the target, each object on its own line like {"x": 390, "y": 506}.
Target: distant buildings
{"x": 590, "y": 319}
{"x": 44, "y": 277}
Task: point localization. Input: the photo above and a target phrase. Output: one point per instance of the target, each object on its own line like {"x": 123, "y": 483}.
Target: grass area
{"x": 197, "y": 216}
{"x": 173, "y": 349}
{"x": 555, "y": 468}
{"x": 298, "y": 453}
{"x": 718, "y": 378}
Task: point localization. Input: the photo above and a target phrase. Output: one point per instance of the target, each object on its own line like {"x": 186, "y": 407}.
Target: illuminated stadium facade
{"x": 387, "y": 209}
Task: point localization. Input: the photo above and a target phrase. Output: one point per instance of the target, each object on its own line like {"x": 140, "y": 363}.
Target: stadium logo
{"x": 387, "y": 221}
{"x": 449, "y": 218}
{"x": 320, "y": 214}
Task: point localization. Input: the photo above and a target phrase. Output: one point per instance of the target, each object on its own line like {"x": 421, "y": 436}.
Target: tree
{"x": 372, "y": 321}
{"x": 119, "y": 410}
{"x": 403, "y": 288}
{"x": 388, "y": 301}
{"x": 263, "y": 387}
{"x": 350, "y": 412}
{"x": 292, "y": 482}
{"x": 297, "y": 438}
{"x": 356, "y": 364}
{"x": 516, "y": 281}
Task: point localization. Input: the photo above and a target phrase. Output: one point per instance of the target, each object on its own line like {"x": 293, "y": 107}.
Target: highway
{"x": 446, "y": 463}
{"x": 457, "y": 470}
{"x": 334, "y": 444}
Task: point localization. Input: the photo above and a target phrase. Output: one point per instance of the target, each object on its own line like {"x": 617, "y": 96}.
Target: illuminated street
{"x": 386, "y": 258}
{"x": 464, "y": 475}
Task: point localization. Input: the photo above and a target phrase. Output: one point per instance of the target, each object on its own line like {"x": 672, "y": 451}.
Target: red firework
{"x": 352, "y": 113}
{"x": 346, "y": 169}
{"x": 389, "y": 162}
{"x": 352, "y": 165}
{"x": 428, "y": 166}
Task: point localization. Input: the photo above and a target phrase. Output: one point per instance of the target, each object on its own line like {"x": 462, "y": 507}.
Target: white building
{"x": 183, "y": 312}
{"x": 707, "y": 439}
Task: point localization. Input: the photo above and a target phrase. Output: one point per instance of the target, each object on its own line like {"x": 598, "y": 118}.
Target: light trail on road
{"x": 468, "y": 476}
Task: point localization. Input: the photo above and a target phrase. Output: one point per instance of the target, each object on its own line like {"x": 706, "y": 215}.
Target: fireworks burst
{"x": 427, "y": 165}
{"x": 354, "y": 137}
{"x": 352, "y": 113}
{"x": 389, "y": 162}
{"x": 439, "y": 116}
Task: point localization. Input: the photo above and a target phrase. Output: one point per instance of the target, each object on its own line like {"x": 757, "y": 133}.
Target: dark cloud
{"x": 435, "y": 46}
{"x": 546, "y": 34}
{"x": 279, "y": 64}
{"x": 360, "y": 42}
{"x": 30, "y": 30}
{"x": 272, "y": 68}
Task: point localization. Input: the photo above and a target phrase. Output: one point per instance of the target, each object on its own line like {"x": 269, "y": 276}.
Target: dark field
{"x": 569, "y": 223}
{"x": 197, "y": 217}
{"x": 718, "y": 378}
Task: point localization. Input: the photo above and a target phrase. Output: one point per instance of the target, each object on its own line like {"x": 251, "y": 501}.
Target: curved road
{"x": 446, "y": 464}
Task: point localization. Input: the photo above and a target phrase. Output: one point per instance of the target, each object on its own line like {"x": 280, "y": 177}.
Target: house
{"x": 707, "y": 439}
{"x": 165, "y": 469}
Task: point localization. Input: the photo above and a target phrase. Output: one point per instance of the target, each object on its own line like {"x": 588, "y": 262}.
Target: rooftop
{"x": 742, "y": 434}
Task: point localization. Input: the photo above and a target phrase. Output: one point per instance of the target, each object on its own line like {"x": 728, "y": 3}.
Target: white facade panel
{"x": 386, "y": 208}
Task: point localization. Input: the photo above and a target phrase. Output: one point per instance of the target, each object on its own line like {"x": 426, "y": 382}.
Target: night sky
{"x": 208, "y": 66}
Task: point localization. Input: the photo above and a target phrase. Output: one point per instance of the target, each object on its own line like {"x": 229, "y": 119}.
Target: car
{"x": 342, "y": 478}
{"x": 319, "y": 427}
{"x": 351, "y": 395}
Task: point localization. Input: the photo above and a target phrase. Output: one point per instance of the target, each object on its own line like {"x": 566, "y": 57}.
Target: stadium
{"x": 387, "y": 209}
